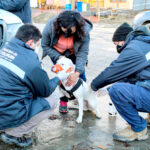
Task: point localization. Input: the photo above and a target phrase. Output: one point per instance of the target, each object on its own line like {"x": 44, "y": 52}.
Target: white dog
{"x": 81, "y": 93}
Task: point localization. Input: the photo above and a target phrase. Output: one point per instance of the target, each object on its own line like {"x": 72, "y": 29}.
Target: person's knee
{"x": 53, "y": 105}
{"x": 53, "y": 100}
{"x": 120, "y": 93}
{"x": 115, "y": 91}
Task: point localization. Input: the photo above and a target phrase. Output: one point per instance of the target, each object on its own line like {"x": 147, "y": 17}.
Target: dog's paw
{"x": 79, "y": 120}
{"x": 98, "y": 116}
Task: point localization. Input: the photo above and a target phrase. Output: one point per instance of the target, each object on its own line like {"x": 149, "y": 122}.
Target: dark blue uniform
{"x": 132, "y": 69}
{"x": 23, "y": 84}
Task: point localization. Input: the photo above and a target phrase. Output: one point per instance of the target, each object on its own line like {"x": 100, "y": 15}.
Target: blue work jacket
{"x": 23, "y": 84}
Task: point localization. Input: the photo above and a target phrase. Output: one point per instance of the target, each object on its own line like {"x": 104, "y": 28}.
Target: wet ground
{"x": 61, "y": 132}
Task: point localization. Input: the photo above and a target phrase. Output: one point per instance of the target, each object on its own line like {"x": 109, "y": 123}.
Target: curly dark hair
{"x": 70, "y": 18}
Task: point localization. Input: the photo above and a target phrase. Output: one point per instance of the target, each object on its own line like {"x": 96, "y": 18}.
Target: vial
{"x": 112, "y": 110}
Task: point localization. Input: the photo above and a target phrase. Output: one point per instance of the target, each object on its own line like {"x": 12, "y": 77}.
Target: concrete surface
{"x": 63, "y": 133}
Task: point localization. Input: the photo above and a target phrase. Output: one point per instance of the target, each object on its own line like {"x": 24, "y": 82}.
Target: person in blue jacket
{"x": 131, "y": 71}
{"x": 21, "y": 8}
{"x": 26, "y": 93}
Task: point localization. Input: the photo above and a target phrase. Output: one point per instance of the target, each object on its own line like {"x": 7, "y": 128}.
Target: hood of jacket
{"x": 141, "y": 33}
{"x": 88, "y": 25}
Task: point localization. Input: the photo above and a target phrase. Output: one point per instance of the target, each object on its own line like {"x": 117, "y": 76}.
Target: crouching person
{"x": 132, "y": 72}
{"x": 26, "y": 93}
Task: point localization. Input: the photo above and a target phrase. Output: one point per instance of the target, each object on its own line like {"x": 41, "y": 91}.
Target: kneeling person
{"x": 26, "y": 94}
{"x": 131, "y": 71}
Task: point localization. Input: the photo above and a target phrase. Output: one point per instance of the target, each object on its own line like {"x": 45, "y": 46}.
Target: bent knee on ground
{"x": 53, "y": 100}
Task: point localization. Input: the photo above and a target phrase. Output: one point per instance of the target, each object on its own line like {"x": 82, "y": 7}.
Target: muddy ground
{"x": 61, "y": 132}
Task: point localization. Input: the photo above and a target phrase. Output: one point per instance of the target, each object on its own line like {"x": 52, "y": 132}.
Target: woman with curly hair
{"x": 68, "y": 35}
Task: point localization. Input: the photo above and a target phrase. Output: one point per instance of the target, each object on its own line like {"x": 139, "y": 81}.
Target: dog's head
{"x": 63, "y": 64}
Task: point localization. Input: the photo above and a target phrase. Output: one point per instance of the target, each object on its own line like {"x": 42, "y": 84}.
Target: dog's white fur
{"x": 82, "y": 93}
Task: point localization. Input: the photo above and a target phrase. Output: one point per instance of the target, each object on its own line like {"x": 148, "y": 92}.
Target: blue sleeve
{"x": 81, "y": 57}
{"x": 40, "y": 84}
{"x": 128, "y": 63}
{"x": 12, "y": 5}
{"x": 53, "y": 84}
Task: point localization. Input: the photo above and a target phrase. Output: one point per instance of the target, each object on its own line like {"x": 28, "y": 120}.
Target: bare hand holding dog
{"x": 72, "y": 79}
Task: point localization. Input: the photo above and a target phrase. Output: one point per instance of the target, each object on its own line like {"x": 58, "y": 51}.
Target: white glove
{"x": 62, "y": 75}
{"x": 101, "y": 92}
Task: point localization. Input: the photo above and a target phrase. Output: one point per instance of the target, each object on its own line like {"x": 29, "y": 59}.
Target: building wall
{"x": 147, "y": 4}
{"x": 93, "y": 3}
{"x": 141, "y": 5}
{"x": 123, "y": 4}
{"x": 41, "y": 1}
{"x": 138, "y": 5}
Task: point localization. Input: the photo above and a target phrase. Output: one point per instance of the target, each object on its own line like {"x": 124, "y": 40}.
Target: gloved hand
{"x": 62, "y": 75}
{"x": 101, "y": 92}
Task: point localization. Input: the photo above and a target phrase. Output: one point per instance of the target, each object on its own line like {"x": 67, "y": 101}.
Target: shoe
{"x": 128, "y": 135}
{"x": 19, "y": 141}
{"x": 63, "y": 107}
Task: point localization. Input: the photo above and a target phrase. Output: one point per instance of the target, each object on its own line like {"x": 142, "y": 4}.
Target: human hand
{"x": 72, "y": 79}
{"x": 101, "y": 92}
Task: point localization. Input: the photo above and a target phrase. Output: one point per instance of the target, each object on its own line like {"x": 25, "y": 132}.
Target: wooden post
{"x": 97, "y": 9}
{"x": 40, "y": 4}
{"x": 117, "y": 3}
{"x": 133, "y": 5}
{"x": 73, "y": 3}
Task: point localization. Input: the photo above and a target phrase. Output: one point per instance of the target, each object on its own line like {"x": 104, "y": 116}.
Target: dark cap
{"x": 121, "y": 32}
